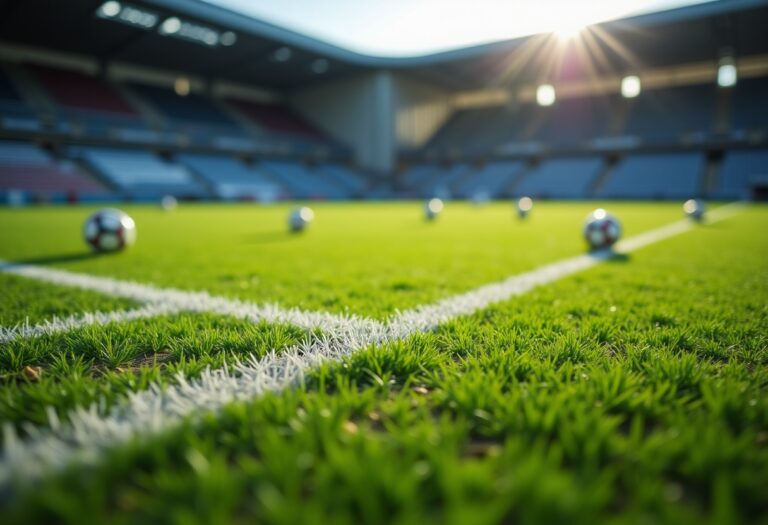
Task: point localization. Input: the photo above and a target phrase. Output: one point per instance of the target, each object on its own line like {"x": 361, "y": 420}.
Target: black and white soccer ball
{"x": 433, "y": 208}
{"x": 109, "y": 230}
{"x": 601, "y": 229}
{"x": 694, "y": 209}
{"x": 299, "y": 219}
{"x": 524, "y": 207}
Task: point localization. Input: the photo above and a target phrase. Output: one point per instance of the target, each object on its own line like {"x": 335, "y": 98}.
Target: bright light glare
{"x": 630, "y": 87}
{"x": 545, "y": 95}
{"x": 727, "y": 75}
{"x": 171, "y": 25}
{"x": 110, "y": 9}
{"x": 568, "y": 28}
{"x": 599, "y": 213}
{"x": 228, "y": 38}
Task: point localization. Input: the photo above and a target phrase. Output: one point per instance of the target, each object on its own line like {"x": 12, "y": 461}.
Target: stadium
{"x": 249, "y": 275}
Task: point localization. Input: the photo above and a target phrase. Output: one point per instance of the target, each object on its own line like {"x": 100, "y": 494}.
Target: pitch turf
{"x": 633, "y": 392}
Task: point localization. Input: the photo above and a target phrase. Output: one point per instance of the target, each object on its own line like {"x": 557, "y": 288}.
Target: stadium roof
{"x": 263, "y": 54}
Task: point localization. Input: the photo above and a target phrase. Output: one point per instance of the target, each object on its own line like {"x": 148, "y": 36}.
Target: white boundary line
{"x": 89, "y": 435}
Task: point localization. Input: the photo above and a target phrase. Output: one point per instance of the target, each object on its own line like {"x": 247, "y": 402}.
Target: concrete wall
{"x": 420, "y": 111}
{"x": 359, "y": 112}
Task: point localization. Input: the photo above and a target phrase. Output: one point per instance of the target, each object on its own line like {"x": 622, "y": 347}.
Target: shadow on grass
{"x": 53, "y": 259}
{"x": 608, "y": 255}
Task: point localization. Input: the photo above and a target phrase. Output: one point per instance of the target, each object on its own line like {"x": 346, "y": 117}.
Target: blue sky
{"x": 413, "y": 27}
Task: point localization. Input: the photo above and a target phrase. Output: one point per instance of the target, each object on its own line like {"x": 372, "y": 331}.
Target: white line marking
{"x": 55, "y": 325}
{"x": 144, "y": 414}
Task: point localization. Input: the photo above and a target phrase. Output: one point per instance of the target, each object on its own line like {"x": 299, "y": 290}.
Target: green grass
{"x": 634, "y": 392}
{"x": 24, "y": 300}
{"x": 364, "y": 258}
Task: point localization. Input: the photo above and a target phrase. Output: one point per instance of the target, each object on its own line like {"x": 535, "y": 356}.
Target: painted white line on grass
{"x": 89, "y": 434}
{"x": 65, "y": 324}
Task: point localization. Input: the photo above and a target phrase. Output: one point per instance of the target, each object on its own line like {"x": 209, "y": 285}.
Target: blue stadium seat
{"x": 492, "y": 179}
{"x": 140, "y": 174}
{"x": 664, "y": 115}
{"x": 656, "y": 176}
{"x": 750, "y": 104}
{"x": 563, "y": 178}
{"x": 230, "y": 178}
{"x": 738, "y": 170}
{"x": 303, "y": 183}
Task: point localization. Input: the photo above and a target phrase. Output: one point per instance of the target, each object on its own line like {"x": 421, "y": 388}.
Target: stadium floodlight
{"x": 181, "y": 86}
{"x": 545, "y": 95}
{"x": 127, "y": 14}
{"x": 228, "y": 38}
{"x": 727, "y": 75}
{"x": 110, "y": 9}
{"x": 630, "y": 86}
{"x": 319, "y": 66}
{"x": 170, "y": 26}
{"x": 282, "y": 54}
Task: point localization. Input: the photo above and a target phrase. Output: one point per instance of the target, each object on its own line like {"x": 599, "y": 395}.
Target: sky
{"x": 417, "y": 27}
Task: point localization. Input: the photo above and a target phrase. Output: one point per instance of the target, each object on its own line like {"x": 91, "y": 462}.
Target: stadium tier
{"x": 562, "y": 178}
{"x": 750, "y": 106}
{"x": 656, "y": 176}
{"x": 27, "y": 172}
{"x": 230, "y": 179}
{"x": 740, "y": 172}
{"x": 492, "y": 180}
{"x": 302, "y": 183}
{"x": 140, "y": 174}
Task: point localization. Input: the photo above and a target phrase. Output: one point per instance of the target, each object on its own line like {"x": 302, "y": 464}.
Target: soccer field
{"x": 363, "y": 371}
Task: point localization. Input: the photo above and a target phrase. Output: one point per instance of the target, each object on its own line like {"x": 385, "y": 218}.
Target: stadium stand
{"x": 416, "y": 175}
{"x": 303, "y": 183}
{"x": 442, "y": 182}
{"x": 345, "y": 177}
{"x": 15, "y": 114}
{"x": 25, "y": 167}
{"x": 655, "y": 176}
{"x": 563, "y": 178}
{"x": 277, "y": 120}
{"x": 750, "y": 105}
{"x": 684, "y": 111}
{"x": 195, "y": 115}
{"x": 230, "y": 179}
{"x": 740, "y": 171}
{"x": 492, "y": 180}
{"x": 88, "y": 102}
{"x": 140, "y": 174}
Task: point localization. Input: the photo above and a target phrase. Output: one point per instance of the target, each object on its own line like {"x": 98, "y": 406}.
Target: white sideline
{"x": 90, "y": 434}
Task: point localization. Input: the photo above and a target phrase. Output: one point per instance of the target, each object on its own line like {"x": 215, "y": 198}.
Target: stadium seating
{"x": 441, "y": 184}
{"x": 88, "y": 102}
{"x": 683, "y": 111}
{"x": 417, "y": 175}
{"x": 301, "y": 182}
{"x": 563, "y": 178}
{"x": 15, "y": 114}
{"x": 492, "y": 180}
{"x": 656, "y": 176}
{"x": 140, "y": 174}
{"x": 739, "y": 171}
{"x": 750, "y": 105}
{"x": 195, "y": 115}
{"x": 27, "y": 168}
{"x": 345, "y": 177}
{"x": 231, "y": 179}
{"x": 277, "y": 120}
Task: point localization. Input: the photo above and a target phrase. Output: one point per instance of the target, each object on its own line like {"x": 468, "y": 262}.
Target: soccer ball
{"x": 601, "y": 229}
{"x": 432, "y": 209}
{"x": 524, "y": 207}
{"x": 168, "y": 203}
{"x": 109, "y": 230}
{"x": 694, "y": 209}
{"x": 300, "y": 218}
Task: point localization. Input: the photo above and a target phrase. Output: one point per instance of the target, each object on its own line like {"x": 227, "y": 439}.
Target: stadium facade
{"x": 112, "y": 100}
